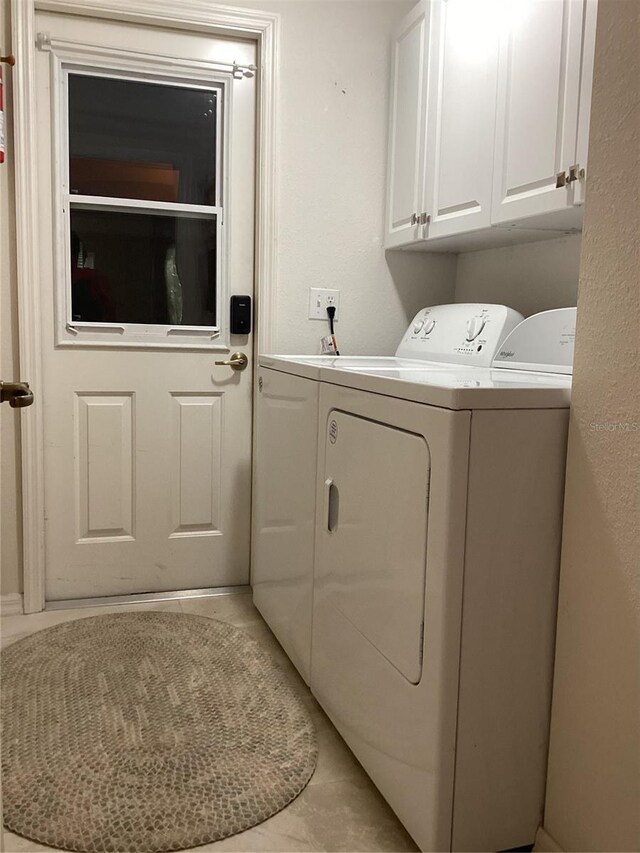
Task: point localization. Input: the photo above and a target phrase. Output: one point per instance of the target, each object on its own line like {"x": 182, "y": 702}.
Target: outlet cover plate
{"x": 319, "y": 300}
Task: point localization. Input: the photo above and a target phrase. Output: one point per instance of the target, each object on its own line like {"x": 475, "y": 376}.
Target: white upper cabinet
{"x": 537, "y": 109}
{"x": 461, "y": 110}
{"x": 406, "y": 138}
{"x": 490, "y": 104}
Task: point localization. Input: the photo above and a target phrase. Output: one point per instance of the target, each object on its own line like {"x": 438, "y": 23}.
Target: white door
{"x": 146, "y": 169}
{"x": 406, "y": 136}
{"x": 537, "y": 112}
{"x": 461, "y": 117}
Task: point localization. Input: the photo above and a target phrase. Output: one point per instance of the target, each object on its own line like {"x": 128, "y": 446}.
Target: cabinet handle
{"x": 561, "y": 180}
{"x": 575, "y": 173}
{"x": 425, "y": 218}
{"x": 414, "y": 218}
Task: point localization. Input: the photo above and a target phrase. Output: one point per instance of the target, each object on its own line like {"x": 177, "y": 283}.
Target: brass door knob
{"x": 17, "y": 394}
{"x": 238, "y": 361}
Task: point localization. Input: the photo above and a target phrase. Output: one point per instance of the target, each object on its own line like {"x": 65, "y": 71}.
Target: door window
{"x": 142, "y": 200}
{"x": 132, "y": 139}
{"x": 143, "y": 267}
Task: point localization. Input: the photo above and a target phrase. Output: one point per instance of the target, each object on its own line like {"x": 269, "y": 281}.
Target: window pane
{"x": 142, "y": 140}
{"x": 143, "y": 268}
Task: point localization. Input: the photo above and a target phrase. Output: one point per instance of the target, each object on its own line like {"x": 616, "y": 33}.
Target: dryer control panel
{"x": 465, "y": 333}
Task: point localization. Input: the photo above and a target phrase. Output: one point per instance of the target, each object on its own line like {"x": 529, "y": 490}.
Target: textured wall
{"x": 593, "y": 791}
{"x": 530, "y": 277}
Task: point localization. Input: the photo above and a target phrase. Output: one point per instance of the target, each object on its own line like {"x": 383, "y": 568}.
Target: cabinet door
{"x": 586, "y": 86}
{"x": 406, "y": 139}
{"x": 463, "y": 65}
{"x": 537, "y": 111}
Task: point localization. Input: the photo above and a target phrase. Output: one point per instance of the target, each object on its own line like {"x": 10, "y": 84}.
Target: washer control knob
{"x": 429, "y": 326}
{"x": 474, "y": 326}
{"x": 417, "y": 326}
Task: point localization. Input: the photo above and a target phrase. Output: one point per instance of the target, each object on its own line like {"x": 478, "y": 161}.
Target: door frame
{"x": 200, "y": 15}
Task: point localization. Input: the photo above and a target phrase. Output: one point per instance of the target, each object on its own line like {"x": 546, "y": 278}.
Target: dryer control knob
{"x": 429, "y": 326}
{"x": 474, "y": 326}
{"x": 417, "y": 326}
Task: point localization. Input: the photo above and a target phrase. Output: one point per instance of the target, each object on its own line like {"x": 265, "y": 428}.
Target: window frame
{"x": 70, "y": 333}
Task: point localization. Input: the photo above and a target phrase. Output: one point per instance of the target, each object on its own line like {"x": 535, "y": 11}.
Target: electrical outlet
{"x": 320, "y": 300}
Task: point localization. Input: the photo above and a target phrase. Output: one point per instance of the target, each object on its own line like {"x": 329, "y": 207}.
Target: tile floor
{"x": 340, "y": 809}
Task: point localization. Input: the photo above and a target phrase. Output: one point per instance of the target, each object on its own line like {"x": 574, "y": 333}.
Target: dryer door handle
{"x": 332, "y": 504}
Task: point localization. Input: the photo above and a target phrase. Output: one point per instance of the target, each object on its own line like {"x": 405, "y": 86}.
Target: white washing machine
{"x": 420, "y": 605}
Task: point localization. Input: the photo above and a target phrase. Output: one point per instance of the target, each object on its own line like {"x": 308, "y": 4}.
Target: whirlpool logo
{"x": 507, "y": 353}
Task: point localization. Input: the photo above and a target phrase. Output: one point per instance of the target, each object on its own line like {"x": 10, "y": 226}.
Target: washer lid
{"x": 543, "y": 342}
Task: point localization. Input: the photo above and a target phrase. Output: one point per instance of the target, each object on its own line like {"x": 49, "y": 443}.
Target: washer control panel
{"x": 465, "y": 333}
{"x": 543, "y": 342}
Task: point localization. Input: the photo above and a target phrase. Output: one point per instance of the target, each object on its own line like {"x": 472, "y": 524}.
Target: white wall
{"x": 332, "y": 159}
{"x": 593, "y": 785}
{"x": 530, "y": 277}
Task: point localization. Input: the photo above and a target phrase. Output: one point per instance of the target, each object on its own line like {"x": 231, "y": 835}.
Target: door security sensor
{"x": 240, "y": 315}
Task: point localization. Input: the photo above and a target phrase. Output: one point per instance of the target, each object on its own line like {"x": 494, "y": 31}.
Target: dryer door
{"x": 376, "y": 509}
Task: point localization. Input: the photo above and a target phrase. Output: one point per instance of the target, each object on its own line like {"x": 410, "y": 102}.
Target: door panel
{"x": 105, "y": 467}
{"x": 537, "y": 114}
{"x": 147, "y": 440}
{"x": 461, "y": 118}
{"x": 377, "y": 484}
{"x": 197, "y": 453}
{"x": 187, "y": 438}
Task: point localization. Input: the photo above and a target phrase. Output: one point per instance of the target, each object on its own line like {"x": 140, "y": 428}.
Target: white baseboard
{"x": 11, "y": 604}
{"x": 545, "y": 843}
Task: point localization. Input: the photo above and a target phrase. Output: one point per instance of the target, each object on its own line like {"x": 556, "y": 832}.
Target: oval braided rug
{"x": 147, "y": 732}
